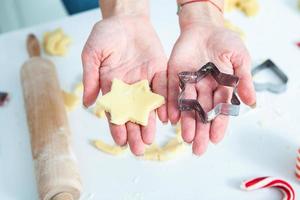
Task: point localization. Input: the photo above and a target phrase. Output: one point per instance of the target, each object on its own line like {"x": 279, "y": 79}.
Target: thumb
{"x": 242, "y": 68}
{"x": 91, "y": 78}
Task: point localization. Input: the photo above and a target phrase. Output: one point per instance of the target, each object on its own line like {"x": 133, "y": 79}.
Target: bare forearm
{"x": 204, "y": 13}
{"x": 124, "y": 7}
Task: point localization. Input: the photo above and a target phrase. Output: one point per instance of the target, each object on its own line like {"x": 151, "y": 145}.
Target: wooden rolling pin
{"x": 56, "y": 168}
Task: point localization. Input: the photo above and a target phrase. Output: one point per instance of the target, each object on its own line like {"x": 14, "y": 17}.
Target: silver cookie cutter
{"x": 272, "y": 87}
{"x": 222, "y": 79}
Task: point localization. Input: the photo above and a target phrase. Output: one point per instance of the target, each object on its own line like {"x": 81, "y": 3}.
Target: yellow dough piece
{"x": 71, "y": 101}
{"x": 56, "y": 42}
{"x": 234, "y": 28}
{"x": 248, "y": 7}
{"x": 152, "y": 153}
{"x": 130, "y": 102}
{"x": 230, "y": 5}
{"x": 170, "y": 151}
{"x": 109, "y": 149}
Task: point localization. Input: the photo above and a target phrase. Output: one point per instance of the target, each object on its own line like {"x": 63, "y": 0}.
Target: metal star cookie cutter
{"x": 272, "y": 87}
{"x": 222, "y": 79}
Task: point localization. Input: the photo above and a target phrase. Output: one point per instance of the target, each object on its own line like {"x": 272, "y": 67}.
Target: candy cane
{"x": 267, "y": 182}
{"x": 298, "y": 165}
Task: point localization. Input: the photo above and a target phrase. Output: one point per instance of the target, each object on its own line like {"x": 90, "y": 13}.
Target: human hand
{"x": 127, "y": 48}
{"x": 203, "y": 41}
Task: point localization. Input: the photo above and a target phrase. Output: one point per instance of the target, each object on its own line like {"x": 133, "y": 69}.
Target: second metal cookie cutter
{"x": 272, "y": 87}
{"x": 222, "y": 79}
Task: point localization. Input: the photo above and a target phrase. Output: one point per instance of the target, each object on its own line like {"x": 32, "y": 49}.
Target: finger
{"x": 148, "y": 132}
{"x": 118, "y": 132}
{"x": 220, "y": 123}
{"x": 205, "y": 96}
{"x": 173, "y": 91}
{"x": 242, "y": 68}
{"x": 91, "y": 79}
{"x": 134, "y": 139}
{"x": 159, "y": 86}
{"x": 201, "y": 139}
{"x": 188, "y": 122}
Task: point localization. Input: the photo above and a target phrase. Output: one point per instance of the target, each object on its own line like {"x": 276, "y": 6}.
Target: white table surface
{"x": 258, "y": 143}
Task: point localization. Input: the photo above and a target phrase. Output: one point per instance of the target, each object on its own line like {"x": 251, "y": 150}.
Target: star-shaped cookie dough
{"x": 130, "y": 102}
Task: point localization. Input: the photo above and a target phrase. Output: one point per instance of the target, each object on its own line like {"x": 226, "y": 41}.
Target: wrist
{"x": 204, "y": 13}
{"x": 111, "y": 8}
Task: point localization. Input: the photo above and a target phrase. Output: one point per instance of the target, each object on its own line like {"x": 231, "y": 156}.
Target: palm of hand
{"x": 128, "y": 49}
{"x": 194, "y": 48}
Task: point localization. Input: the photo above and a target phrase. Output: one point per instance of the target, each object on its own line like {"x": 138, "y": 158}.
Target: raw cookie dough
{"x": 248, "y": 7}
{"x": 71, "y": 100}
{"x": 234, "y": 28}
{"x": 130, "y": 102}
{"x": 109, "y": 149}
{"x": 56, "y": 42}
{"x": 170, "y": 151}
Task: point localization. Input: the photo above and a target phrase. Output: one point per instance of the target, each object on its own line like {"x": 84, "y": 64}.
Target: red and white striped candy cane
{"x": 267, "y": 182}
{"x": 298, "y": 165}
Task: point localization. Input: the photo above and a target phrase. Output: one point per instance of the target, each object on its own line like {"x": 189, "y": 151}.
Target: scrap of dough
{"x": 56, "y": 42}
{"x": 109, "y": 149}
{"x": 152, "y": 153}
{"x": 234, "y": 28}
{"x": 230, "y": 5}
{"x": 71, "y": 101}
{"x": 169, "y": 151}
{"x": 248, "y": 7}
{"x": 130, "y": 102}
{"x": 172, "y": 149}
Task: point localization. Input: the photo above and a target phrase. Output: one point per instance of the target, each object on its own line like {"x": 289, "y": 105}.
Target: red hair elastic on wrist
{"x": 195, "y": 1}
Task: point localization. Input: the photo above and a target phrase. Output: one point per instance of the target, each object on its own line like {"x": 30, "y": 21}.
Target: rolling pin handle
{"x": 33, "y": 46}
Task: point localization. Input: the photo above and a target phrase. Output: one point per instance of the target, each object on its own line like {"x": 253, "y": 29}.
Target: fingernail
{"x": 253, "y": 106}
